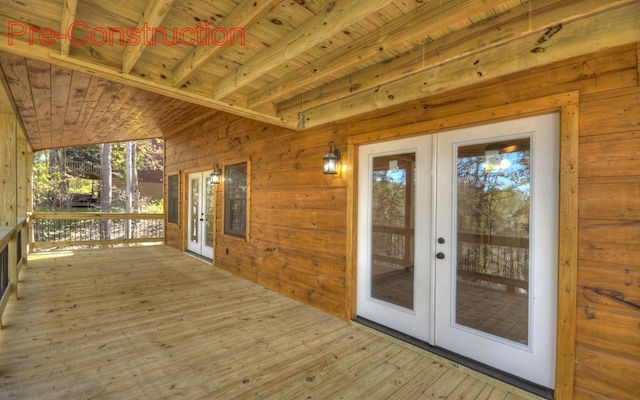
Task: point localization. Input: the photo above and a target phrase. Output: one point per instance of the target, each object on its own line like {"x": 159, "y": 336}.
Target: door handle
{"x": 440, "y": 256}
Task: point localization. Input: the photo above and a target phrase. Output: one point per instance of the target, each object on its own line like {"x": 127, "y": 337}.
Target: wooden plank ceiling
{"x": 145, "y": 68}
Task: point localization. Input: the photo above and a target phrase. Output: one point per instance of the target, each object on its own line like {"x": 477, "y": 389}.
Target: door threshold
{"x": 198, "y": 256}
{"x": 505, "y": 377}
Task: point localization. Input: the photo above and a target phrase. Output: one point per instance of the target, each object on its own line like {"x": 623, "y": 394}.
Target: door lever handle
{"x": 440, "y": 256}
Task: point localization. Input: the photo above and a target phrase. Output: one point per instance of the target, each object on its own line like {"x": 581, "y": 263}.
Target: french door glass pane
{"x": 493, "y": 209}
{"x": 193, "y": 208}
{"x": 392, "y": 237}
{"x": 209, "y": 207}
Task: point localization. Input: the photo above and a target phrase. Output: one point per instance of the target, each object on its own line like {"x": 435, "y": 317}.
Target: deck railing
{"x": 13, "y": 247}
{"x": 500, "y": 261}
{"x": 63, "y": 230}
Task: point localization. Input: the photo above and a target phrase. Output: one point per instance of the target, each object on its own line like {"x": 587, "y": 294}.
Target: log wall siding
{"x": 298, "y": 248}
{"x": 297, "y": 214}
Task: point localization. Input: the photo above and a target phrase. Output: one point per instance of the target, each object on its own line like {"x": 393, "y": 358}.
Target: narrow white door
{"x": 496, "y": 264}
{"x": 394, "y": 230}
{"x": 201, "y": 214}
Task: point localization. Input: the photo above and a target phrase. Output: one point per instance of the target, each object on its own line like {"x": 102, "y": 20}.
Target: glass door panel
{"x": 209, "y": 206}
{"x": 194, "y": 209}
{"x": 493, "y": 211}
{"x": 394, "y": 235}
{"x": 392, "y": 238}
{"x": 496, "y": 253}
{"x": 201, "y": 214}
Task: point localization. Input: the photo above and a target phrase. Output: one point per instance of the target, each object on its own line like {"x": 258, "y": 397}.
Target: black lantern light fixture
{"x": 331, "y": 159}
{"x": 215, "y": 174}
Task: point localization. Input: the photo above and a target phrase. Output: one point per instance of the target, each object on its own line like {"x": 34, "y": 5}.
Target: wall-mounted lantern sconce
{"x": 330, "y": 160}
{"x": 215, "y": 175}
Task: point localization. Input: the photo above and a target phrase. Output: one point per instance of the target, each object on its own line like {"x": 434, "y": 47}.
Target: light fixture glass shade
{"x": 215, "y": 175}
{"x": 330, "y": 160}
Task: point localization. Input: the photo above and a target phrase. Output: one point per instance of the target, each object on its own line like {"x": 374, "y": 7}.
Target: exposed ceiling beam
{"x": 68, "y": 16}
{"x": 608, "y": 29}
{"x": 322, "y": 26}
{"x": 517, "y": 22}
{"x": 416, "y": 26}
{"x": 244, "y": 15}
{"x": 152, "y": 17}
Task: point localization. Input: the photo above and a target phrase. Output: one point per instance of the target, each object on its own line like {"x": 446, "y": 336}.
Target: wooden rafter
{"x": 68, "y": 17}
{"x": 613, "y": 27}
{"x": 316, "y": 29}
{"x": 504, "y": 28}
{"x": 246, "y": 14}
{"x": 410, "y": 27}
{"x": 152, "y": 17}
{"x": 333, "y": 60}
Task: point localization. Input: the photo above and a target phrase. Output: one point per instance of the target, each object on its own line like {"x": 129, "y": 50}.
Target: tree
{"x": 132, "y": 194}
{"x": 105, "y": 227}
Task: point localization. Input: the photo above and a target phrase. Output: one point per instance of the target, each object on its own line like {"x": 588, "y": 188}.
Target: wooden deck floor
{"x": 153, "y": 323}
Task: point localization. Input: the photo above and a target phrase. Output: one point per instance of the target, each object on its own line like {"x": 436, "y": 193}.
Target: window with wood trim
{"x": 173, "y": 191}
{"x": 236, "y": 200}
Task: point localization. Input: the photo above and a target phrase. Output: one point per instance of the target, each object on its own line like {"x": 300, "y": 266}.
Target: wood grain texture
{"x": 292, "y": 253}
{"x": 295, "y": 64}
{"x": 152, "y": 322}
{"x": 8, "y": 173}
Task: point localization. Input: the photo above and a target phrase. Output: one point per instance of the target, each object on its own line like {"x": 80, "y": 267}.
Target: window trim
{"x": 226, "y": 200}
{"x": 173, "y": 201}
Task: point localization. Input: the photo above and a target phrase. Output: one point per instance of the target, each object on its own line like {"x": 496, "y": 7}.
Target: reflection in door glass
{"x": 493, "y": 204}
{"x": 209, "y": 207}
{"x": 392, "y": 236}
{"x": 195, "y": 201}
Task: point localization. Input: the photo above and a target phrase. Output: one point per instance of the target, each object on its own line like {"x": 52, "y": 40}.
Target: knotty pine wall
{"x": 297, "y": 245}
{"x": 297, "y": 214}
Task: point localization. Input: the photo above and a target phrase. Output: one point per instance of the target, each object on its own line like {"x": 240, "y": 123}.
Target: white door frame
{"x": 414, "y": 322}
{"x": 198, "y": 246}
{"x": 363, "y": 252}
{"x": 534, "y": 361}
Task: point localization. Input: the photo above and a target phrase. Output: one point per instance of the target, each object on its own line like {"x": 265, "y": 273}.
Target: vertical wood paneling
{"x": 567, "y": 257}
{"x": 8, "y": 172}
{"x": 23, "y": 170}
{"x": 29, "y": 178}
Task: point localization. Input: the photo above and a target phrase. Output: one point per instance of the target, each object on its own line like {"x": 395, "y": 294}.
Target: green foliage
{"x": 81, "y": 185}
{"x": 53, "y": 189}
{"x": 152, "y": 206}
{"x": 47, "y": 182}
{"x": 389, "y": 188}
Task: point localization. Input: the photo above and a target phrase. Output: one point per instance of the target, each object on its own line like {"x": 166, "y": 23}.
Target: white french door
{"x": 458, "y": 245}
{"x": 201, "y": 214}
{"x": 394, "y": 252}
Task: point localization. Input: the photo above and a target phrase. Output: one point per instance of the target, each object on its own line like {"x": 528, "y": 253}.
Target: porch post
{"x": 8, "y": 173}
